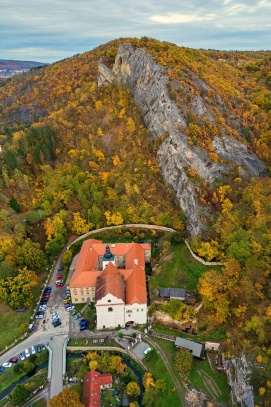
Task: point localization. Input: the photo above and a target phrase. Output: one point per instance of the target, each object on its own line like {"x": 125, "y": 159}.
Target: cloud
{"x": 54, "y": 29}
{"x": 177, "y": 18}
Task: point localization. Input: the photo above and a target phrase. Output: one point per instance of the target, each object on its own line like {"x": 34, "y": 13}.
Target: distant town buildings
{"x": 112, "y": 276}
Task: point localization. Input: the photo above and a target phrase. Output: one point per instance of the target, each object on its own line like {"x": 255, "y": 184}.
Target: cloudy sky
{"x": 51, "y": 30}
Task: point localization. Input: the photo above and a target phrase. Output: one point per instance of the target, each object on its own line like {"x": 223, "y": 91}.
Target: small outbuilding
{"x": 173, "y": 293}
{"x": 197, "y": 349}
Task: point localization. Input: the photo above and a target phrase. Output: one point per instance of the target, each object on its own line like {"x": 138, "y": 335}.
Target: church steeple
{"x": 108, "y": 257}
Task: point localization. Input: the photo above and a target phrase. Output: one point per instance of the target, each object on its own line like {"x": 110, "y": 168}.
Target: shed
{"x": 196, "y": 348}
{"x": 212, "y": 346}
{"x": 173, "y": 293}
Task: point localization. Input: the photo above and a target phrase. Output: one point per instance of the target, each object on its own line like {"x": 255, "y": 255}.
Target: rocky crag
{"x": 150, "y": 86}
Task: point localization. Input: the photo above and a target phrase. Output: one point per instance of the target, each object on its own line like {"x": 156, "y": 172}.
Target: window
{"x": 83, "y": 299}
{"x": 76, "y": 299}
{"x": 110, "y": 309}
{"x": 109, "y": 301}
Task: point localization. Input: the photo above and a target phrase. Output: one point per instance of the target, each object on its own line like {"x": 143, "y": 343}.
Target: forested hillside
{"x": 82, "y": 155}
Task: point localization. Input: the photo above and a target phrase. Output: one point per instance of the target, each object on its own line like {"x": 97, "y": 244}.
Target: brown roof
{"x": 111, "y": 281}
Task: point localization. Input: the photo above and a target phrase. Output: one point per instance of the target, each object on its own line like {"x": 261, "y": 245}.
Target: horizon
{"x": 52, "y": 31}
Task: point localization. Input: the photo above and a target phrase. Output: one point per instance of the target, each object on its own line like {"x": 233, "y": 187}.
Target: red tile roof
{"x": 91, "y": 387}
{"x": 111, "y": 280}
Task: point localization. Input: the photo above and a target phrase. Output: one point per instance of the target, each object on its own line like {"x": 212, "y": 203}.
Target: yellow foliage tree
{"x": 79, "y": 225}
{"x": 148, "y": 380}
{"x": 93, "y": 364}
{"x": 209, "y": 250}
{"x": 116, "y": 160}
{"x": 114, "y": 219}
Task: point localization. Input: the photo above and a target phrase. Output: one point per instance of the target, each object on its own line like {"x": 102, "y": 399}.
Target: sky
{"x": 51, "y": 30}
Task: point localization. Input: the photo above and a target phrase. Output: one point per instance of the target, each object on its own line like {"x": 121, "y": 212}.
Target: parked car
{"x": 55, "y": 315}
{"x": 49, "y": 288}
{"x": 56, "y": 323}
{"x": 77, "y": 316}
{"x": 27, "y": 353}
{"x": 33, "y": 350}
{"x": 60, "y": 268}
{"x": 42, "y": 307}
{"x": 39, "y": 315}
{"x": 7, "y": 364}
{"x": 44, "y": 301}
{"x": 38, "y": 348}
{"x": 70, "y": 308}
{"x": 59, "y": 284}
{"x": 83, "y": 322}
{"x": 46, "y": 296}
{"x": 2, "y": 369}
{"x": 13, "y": 360}
{"x": 59, "y": 277}
{"x": 83, "y": 327}
{"x": 22, "y": 356}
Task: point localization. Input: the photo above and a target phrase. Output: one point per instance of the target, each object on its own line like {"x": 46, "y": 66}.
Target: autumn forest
{"x": 81, "y": 155}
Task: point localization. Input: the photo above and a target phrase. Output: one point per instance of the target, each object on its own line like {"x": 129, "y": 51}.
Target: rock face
{"x": 149, "y": 84}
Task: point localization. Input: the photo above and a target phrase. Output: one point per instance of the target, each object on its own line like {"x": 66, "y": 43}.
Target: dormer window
{"x": 109, "y": 301}
{"x": 110, "y": 309}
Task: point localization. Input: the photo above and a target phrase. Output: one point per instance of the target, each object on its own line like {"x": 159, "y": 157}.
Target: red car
{"x": 13, "y": 360}
{"x": 59, "y": 277}
{"x": 46, "y": 296}
{"x": 59, "y": 284}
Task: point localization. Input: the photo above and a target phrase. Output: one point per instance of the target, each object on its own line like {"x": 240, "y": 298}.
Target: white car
{"x": 55, "y": 315}
{"x": 33, "y": 350}
{"x": 7, "y": 364}
{"x": 27, "y": 353}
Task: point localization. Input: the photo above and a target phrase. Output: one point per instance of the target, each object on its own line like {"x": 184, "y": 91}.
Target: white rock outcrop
{"x": 149, "y": 85}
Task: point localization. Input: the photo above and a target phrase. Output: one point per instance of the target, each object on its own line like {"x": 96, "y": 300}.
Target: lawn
{"x": 178, "y": 270}
{"x": 39, "y": 403}
{"x": 203, "y": 376}
{"x": 214, "y": 384}
{"x": 12, "y": 324}
{"x": 156, "y": 365}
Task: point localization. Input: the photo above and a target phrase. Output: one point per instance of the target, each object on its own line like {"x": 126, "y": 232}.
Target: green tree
{"x": 31, "y": 256}
{"x": 14, "y": 204}
{"x": 54, "y": 247}
{"x": 20, "y": 394}
{"x": 184, "y": 361}
{"x": 67, "y": 258}
{"x": 150, "y": 397}
{"x": 67, "y": 398}
{"x": 6, "y": 271}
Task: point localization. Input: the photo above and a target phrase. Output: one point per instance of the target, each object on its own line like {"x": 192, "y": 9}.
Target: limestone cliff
{"x": 149, "y": 84}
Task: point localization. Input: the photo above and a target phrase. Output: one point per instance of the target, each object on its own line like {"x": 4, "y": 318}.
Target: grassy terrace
{"x": 156, "y": 365}
{"x": 12, "y": 324}
{"x": 203, "y": 377}
{"x": 179, "y": 270}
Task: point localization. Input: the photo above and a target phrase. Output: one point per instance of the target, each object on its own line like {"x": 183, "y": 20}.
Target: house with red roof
{"x": 93, "y": 383}
{"x": 112, "y": 276}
